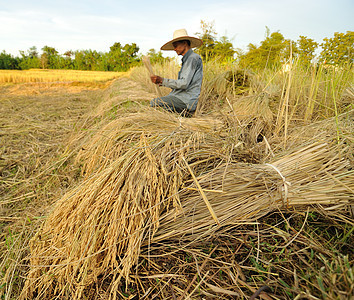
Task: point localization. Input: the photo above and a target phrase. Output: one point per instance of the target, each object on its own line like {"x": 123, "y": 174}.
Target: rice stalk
{"x": 284, "y": 102}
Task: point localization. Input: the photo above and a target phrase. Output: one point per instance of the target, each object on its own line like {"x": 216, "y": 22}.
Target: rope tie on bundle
{"x": 286, "y": 184}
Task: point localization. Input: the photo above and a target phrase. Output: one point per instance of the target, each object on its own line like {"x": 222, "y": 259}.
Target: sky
{"x": 98, "y": 24}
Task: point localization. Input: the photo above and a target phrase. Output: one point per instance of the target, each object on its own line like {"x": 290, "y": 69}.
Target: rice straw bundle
{"x": 140, "y": 189}
{"x": 98, "y": 228}
{"x": 124, "y": 133}
{"x": 253, "y": 107}
{"x": 314, "y": 175}
{"x": 328, "y": 130}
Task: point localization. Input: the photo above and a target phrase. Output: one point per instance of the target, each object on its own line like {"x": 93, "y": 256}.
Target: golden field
{"x": 39, "y": 75}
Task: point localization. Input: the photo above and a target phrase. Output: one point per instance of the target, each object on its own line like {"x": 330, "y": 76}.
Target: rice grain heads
{"x": 139, "y": 188}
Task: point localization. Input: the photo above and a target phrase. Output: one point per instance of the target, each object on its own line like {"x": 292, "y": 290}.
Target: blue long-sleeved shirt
{"x": 188, "y": 85}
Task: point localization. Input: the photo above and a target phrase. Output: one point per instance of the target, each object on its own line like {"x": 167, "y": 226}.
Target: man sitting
{"x": 186, "y": 89}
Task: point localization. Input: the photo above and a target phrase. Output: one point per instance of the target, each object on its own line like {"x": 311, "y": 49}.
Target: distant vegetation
{"x": 274, "y": 50}
{"x": 119, "y": 59}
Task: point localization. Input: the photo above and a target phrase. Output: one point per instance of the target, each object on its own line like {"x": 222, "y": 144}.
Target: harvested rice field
{"x": 103, "y": 197}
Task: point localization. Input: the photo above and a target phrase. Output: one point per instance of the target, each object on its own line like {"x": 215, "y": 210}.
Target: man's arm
{"x": 185, "y": 77}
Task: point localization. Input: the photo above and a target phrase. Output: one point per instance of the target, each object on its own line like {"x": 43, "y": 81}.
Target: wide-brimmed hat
{"x": 180, "y": 35}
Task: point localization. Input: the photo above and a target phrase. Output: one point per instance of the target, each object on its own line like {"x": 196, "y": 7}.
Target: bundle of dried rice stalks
{"x": 152, "y": 177}
{"x": 313, "y": 176}
{"x": 254, "y": 113}
{"x": 123, "y": 134}
{"x": 330, "y": 130}
{"x": 98, "y": 227}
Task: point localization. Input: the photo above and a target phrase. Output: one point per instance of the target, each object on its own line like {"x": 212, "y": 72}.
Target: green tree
{"x": 79, "y": 60}
{"x": 339, "y": 49}
{"x": 92, "y": 58}
{"x": 208, "y": 36}
{"x": 273, "y": 49}
{"x": 44, "y": 61}
{"x": 156, "y": 56}
{"x": 32, "y": 52}
{"x": 103, "y": 62}
{"x": 67, "y": 62}
{"x": 115, "y": 60}
{"x": 290, "y": 47}
{"x": 272, "y": 52}
{"x": 8, "y": 62}
{"x": 212, "y": 48}
{"x": 306, "y": 49}
{"x": 122, "y": 58}
{"x": 30, "y": 59}
{"x": 224, "y": 49}
{"x": 49, "y": 58}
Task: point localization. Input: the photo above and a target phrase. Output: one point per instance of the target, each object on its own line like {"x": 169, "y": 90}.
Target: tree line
{"x": 119, "y": 58}
{"x": 272, "y": 51}
{"x": 275, "y": 50}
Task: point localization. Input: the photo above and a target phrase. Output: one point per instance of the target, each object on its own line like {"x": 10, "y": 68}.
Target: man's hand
{"x": 156, "y": 79}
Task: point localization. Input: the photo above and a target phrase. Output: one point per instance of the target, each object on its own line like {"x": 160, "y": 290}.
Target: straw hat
{"x": 180, "y": 35}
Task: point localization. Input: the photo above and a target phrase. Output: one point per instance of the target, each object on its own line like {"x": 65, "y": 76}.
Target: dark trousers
{"x": 172, "y": 104}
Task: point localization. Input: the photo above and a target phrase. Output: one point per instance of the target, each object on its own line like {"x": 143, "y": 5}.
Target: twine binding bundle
{"x": 141, "y": 190}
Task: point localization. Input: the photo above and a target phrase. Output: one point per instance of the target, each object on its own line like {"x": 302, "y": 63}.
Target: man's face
{"x": 180, "y": 47}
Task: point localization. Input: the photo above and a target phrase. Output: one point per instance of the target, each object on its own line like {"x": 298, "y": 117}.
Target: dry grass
{"x": 138, "y": 225}
{"x": 36, "y": 122}
{"x": 33, "y": 131}
{"x": 139, "y": 191}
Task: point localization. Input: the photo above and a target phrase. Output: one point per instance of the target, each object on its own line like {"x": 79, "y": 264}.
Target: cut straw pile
{"x": 151, "y": 177}
{"x": 242, "y": 192}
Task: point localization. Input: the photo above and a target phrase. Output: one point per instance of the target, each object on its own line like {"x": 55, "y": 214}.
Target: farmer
{"x": 186, "y": 89}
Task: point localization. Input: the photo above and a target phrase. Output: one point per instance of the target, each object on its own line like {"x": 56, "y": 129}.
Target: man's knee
{"x": 159, "y": 102}
{"x": 156, "y": 102}
{"x": 152, "y": 103}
